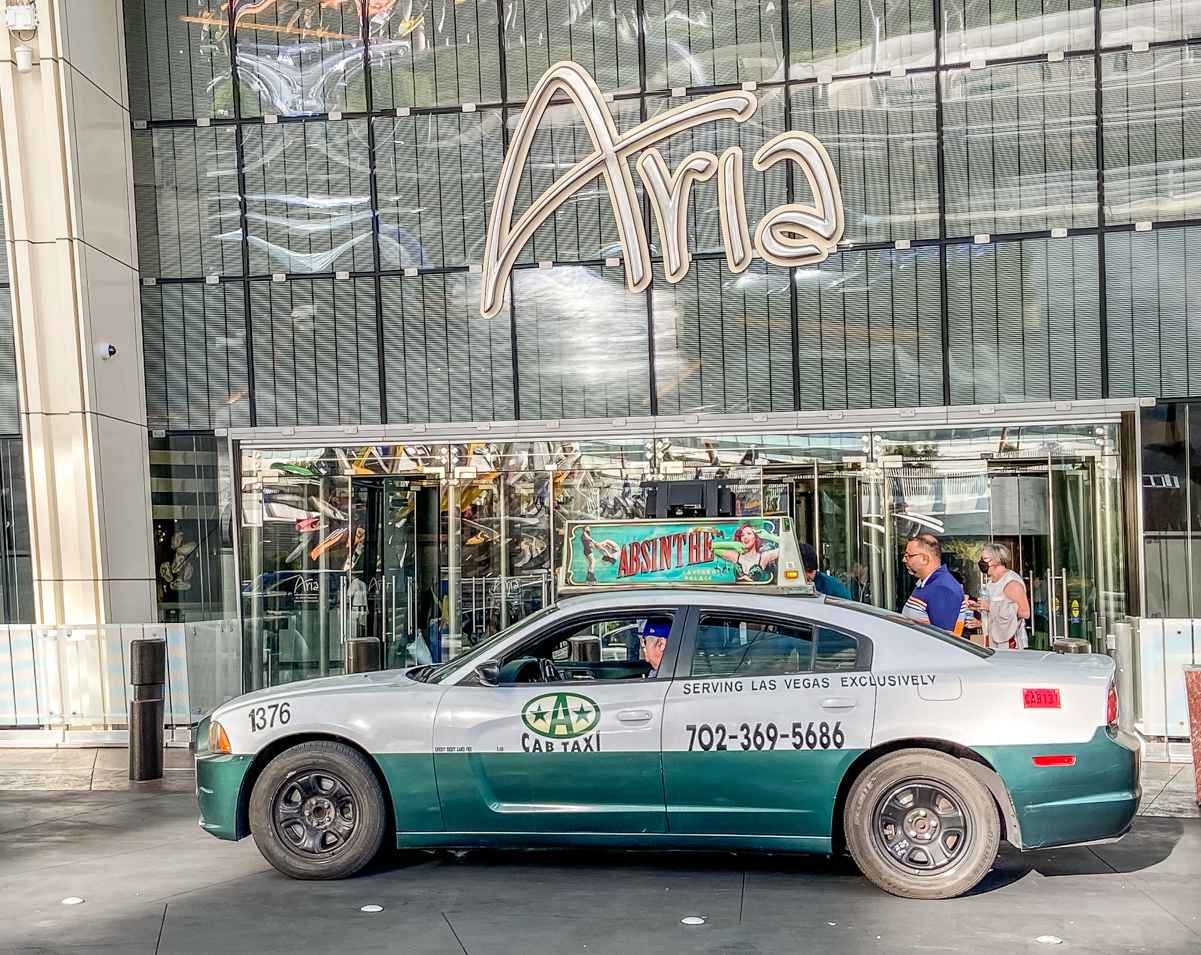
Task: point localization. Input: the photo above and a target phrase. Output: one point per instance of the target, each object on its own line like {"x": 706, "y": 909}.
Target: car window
{"x": 625, "y": 646}
{"x": 733, "y": 645}
{"x": 835, "y": 651}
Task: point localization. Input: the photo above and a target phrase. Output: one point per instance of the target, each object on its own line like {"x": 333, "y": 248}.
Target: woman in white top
{"x": 1003, "y": 602}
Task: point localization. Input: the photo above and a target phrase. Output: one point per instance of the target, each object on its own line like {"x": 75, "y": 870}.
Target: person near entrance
{"x": 937, "y": 598}
{"x": 1003, "y": 603}
{"x": 822, "y": 582}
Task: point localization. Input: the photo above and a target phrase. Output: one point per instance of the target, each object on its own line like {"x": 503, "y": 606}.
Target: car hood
{"x": 290, "y": 691}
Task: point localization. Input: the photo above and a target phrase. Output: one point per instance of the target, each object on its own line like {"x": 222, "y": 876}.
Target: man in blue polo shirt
{"x": 937, "y": 598}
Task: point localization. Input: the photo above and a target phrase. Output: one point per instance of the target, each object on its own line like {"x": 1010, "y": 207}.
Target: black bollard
{"x": 363, "y": 655}
{"x": 147, "y": 673}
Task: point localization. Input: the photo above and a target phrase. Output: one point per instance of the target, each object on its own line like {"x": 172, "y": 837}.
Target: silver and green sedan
{"x": 686, "y": 718}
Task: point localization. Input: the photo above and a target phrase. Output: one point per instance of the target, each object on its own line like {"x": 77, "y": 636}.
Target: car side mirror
{"x": 489, "y": 673}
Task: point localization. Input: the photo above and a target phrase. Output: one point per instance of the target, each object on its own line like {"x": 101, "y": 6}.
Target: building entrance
{"x": 429, "y": 549}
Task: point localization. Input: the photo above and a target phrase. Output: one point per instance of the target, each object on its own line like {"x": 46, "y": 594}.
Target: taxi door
{"x": 579, "y": 755}
{"x": 761, "y": 723}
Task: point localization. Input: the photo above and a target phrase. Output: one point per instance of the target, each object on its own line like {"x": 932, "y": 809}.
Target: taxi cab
{"x": 694, "y": 695}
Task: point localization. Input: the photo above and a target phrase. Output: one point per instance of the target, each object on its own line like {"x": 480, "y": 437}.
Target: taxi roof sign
{"x": 674, "y": 552}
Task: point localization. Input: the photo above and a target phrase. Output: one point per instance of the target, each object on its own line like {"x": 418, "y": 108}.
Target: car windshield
{"x": 925, "y": 628}
{"x": 436, "y": 673}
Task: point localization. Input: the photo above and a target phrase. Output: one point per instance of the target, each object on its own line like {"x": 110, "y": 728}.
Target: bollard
{"x": 1123, "y": 637}
{"x": 1192, "y": 689}
{"x": 363, "y": 654}
{"x": 147, "y": 674}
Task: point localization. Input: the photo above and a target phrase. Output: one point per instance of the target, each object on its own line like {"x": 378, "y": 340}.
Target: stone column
{"x": 67, "y": 188}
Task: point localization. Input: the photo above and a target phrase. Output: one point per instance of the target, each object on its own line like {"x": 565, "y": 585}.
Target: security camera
{"x": 23, "y": 58}
{"x": 106, "y": 350}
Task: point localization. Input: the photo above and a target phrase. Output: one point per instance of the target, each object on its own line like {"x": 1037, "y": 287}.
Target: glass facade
{"x": 1022, "y": 191}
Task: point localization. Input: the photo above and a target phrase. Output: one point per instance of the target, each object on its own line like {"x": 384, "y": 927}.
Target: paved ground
{"x": 152, "y": 882}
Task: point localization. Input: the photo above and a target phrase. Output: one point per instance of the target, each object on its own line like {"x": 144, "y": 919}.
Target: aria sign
{"x": 793, "y": 234}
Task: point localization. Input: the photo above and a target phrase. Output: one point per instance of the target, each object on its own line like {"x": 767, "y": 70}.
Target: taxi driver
{"x": 653, "y": 640}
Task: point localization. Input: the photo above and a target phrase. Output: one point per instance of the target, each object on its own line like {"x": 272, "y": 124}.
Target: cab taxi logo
{"x": 791, "y": 235}
{"x": 561, "y": 715}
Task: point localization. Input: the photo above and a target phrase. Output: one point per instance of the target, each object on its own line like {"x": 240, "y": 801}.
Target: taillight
{"x": 1111, "y": 709}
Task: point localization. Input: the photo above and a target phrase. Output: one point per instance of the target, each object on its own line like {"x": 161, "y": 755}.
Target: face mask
{"x": 983, "y": 565}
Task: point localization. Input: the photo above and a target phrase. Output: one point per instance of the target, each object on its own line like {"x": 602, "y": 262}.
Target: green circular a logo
{"x": 560, "y": 715}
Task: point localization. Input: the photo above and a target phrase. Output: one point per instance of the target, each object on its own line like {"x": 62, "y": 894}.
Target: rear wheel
{"x": 920, "y": 826}
{"x": 317, "y": 811}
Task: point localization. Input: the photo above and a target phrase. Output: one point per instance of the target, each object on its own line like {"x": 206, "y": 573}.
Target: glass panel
{"x": 582, "y": 228}
{"x": 1124, "y": 22}
{"x": 1152, "y": 144}
{"x": 315, "y": 352}
{"x": 443, "y": 362}
{"x": 706, "y": 42}
{"x": 571, "y": 322}
{"x": 177, "y": 58}
{"x": 1019, "y": 310}
{"x": 1074, "y": 558}
{"x": 435, "y": 175}
{"x": 600, "y": 36}
{"x": 186, "y": 197}
{"x": 299, "y": 56}
{"x": 194, "y": 348}
{"x": 870, "y": 327}
{"x": 1020, "y": 147}
{"x": 835, "y": 651}
{"x": 1154, "y": 312}
{"x": 1000, "y": 29}
{"x": 723, "y": 342}
{"x": 189, "y": 538}
{"x": 434, "y": 53}
{"x": 10, "y": 418}
{"x": 16, "y": 562}
{"x": 308, "y": 197}
{"x": 881, "y": 136}
{"x": 761, "y": 190}
{"x": 856, "y": 36}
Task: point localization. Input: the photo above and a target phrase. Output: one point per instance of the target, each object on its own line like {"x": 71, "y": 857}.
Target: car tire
{"x": 317, "y": 811}
{"x": 921, "y": 826}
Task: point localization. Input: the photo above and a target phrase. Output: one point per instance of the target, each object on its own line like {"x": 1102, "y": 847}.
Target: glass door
{"x": 1073, "y": 565}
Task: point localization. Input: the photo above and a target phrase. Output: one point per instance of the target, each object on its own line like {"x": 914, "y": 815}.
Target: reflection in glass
{"x": 313, "y": 215}
{"x": 186, "y": 200}
{"x": 600, "y": 36}
{"x": 443, "y": 361}
{"x": 723, "y": 342}
{"x": 839, "y": 39}
{"x": 572, "y": 324}
{"x": 870, "y": 326}
{"x": 995, "y": 30}
{"x": 881, "y": 136}
{"x": 177, "y": 59}
{"x": 435, "y": 175}
{"x": 1152, "y": 142}
{"x": 1124, "y": 22}
{"x": 706, "y": 42}
{"x": 1020, "y": 147}
{"x": 433, "y": 52}
{"x": 1021, "y": 313}
{"x": 299, "y": 56}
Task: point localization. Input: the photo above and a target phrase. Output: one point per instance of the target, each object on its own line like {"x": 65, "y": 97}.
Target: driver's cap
{"x": 656, "y": 628}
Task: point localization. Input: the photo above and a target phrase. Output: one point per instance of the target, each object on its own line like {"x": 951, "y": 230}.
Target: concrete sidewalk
{"x": 151, "y": 881}
{"x": 67, "y": 769}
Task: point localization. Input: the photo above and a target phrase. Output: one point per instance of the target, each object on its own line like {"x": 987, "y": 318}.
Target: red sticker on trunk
{"x": 1040, "y": 699}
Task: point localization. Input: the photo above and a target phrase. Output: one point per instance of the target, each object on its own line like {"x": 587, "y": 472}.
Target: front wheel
{"x": 317, "y": 811}
{"x": 920, "y": 826}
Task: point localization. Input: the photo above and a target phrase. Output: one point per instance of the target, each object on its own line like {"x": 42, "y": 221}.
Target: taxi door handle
{"x": 838, "y": 703}
{"x": 634, "y": 716}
